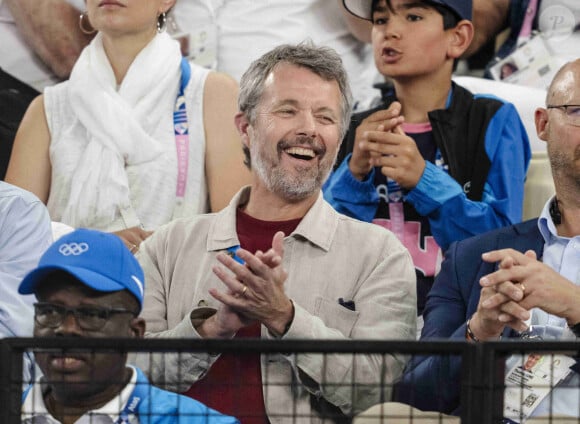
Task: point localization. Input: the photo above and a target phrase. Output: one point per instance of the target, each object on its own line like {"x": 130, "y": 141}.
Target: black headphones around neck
{"x": 555, "y": 212}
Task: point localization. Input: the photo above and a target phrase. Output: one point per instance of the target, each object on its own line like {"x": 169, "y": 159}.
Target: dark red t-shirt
{"x": 233, "y": 384}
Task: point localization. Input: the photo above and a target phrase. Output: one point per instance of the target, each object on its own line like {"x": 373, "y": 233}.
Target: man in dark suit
{"x": 516, "y": 281}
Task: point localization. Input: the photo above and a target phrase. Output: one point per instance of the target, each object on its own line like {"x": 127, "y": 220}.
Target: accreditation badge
{"x": 199, "y": 46}
{"x": 530, "y": 381}
{"x": 531, "y": 64}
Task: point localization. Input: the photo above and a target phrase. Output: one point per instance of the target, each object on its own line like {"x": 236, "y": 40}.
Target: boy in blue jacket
{"x": 433, "y": 163}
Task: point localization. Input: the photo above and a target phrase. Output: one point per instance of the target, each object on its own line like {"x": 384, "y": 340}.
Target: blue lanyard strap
{"x": 181, "y": 131}
{"x": 180, "y": 112}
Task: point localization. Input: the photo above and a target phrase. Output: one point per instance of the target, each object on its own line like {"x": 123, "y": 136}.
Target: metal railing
{"x": 482, "y": 374}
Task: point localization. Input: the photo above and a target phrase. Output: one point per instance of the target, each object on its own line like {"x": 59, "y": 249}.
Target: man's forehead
{"x": 292, "y": 84}
{"x": 568, "y": 81}
{"x": 566, "y": 89}
{"x": 279, "y": 75}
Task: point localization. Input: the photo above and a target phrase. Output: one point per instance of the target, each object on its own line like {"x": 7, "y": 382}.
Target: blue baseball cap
{"x": 362, "y": 8}
{"x": 98, "y": 260}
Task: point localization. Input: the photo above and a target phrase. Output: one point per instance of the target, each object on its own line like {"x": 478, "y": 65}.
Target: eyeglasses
{"x": 572, "y": 113}
{"x": 88, "y": 317}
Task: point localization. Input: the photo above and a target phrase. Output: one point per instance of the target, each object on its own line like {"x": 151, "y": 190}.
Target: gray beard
{"x": 291, "y": 188}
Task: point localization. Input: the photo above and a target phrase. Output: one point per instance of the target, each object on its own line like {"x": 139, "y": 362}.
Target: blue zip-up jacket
{"x": 439, "y": 196}
{"x": 486, "y": 149}
{"x": 164, "y": 407}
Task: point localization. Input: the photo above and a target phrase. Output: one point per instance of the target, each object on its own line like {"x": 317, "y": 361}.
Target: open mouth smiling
{"x": 301, "y": 153}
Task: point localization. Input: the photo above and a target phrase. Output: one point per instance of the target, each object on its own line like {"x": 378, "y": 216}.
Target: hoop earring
{"x": 161, "y": 22}
{"x": 86, "y": 27}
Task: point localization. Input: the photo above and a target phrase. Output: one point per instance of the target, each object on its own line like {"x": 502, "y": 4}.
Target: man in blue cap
{"x": 88, "y": 284}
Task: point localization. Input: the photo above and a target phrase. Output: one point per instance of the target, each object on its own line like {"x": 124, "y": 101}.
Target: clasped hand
{"x": 255, "y": 291}
{"x": 520, "y": 284}
{"x": 380, "y": 141}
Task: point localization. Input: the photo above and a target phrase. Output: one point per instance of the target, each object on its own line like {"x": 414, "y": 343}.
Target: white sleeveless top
{"x": 151, "y": 182}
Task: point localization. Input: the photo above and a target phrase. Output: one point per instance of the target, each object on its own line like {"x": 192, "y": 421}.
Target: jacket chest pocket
{"x": 335, "y": 315}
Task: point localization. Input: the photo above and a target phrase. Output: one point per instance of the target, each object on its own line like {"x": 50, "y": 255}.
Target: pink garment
{"x": 418, "y": 128}
{"x": 526, "y": 31}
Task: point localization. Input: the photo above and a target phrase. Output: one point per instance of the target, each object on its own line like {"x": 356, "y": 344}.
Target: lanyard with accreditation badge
{"x": 394, "y": 196}
{"x": 181, "y": 130}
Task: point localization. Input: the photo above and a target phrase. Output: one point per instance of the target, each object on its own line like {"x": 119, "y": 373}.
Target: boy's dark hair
{"x": 450, "y": 18}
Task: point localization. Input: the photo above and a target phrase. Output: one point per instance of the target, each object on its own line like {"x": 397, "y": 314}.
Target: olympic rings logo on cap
{"x": 76, "y": 249}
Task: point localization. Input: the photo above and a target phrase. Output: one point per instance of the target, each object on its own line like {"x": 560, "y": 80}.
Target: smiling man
{"x": 279, "y": 262}
{"x": 88, "y": 284}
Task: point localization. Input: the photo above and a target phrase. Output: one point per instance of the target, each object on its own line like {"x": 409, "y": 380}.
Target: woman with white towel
{"x": 137, "y": 136}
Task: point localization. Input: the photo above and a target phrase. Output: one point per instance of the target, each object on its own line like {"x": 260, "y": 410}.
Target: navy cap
{"x": 98, "y": 260}
{"x": 362, "y": 8}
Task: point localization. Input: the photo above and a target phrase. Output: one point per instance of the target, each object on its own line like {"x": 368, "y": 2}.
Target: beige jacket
{"x": 329, "y": 256}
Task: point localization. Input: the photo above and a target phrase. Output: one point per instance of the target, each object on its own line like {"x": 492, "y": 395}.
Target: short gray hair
{"x": 323, "y": 61}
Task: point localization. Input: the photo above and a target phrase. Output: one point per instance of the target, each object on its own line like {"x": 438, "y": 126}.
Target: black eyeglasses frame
{"x": 104, "y": 313}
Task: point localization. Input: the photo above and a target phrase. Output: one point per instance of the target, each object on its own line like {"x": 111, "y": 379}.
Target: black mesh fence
{"x": 496, "y": 380}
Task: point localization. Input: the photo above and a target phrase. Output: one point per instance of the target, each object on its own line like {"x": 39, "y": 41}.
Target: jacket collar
{"x": 318, "y": 225}
{"x": 528, "y": 237}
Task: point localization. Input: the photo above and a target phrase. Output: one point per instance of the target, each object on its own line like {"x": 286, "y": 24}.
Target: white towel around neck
{"x": 118, "y": 123}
